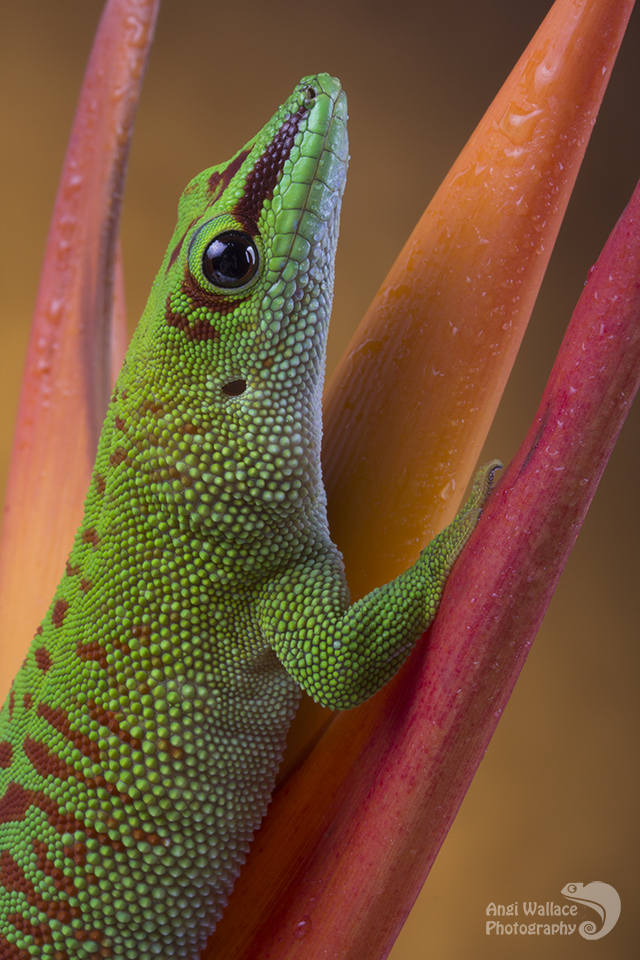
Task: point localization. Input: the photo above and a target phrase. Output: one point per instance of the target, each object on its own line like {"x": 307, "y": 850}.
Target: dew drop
{"x": 302, "y": 929}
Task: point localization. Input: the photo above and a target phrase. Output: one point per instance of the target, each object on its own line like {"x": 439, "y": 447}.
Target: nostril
{"x": 234, "y": 388}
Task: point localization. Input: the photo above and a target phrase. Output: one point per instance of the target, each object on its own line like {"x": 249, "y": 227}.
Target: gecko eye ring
{"x": 231, "y": 260}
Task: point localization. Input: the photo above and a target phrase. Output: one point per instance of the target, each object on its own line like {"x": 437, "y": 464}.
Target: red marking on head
{"x": 101, "y": 484}
{"x": 198, "y": 330}
{"x": 90, "y": 535}
{"x": 70, "y": 570}
{"x": 119, "y": 423}
{"x": 43, "y": 660}
{"x": 27, "y": 701}
{"x": 175, "y": 253}
{"x": 261, "y": 181}
{"x": 220, "y": 180}
{"x": 39, "y": 631}
{"x": 6, "y": 754}
{"x": 59, "y": 612}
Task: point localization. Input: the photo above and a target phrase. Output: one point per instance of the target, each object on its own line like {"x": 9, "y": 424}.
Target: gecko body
{"x": 140, "y": 741}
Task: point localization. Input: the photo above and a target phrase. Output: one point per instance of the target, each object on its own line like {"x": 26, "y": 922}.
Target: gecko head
{"x": 244, "y": 295}
{"x": 231, "y": 346}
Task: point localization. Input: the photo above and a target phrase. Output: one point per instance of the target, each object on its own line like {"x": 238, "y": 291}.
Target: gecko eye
{"x": 230, "y": 260}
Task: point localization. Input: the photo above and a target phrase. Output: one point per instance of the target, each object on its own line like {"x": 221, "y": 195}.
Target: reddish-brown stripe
{"x": 101, "y": 484}
{"x": 12, "y": 702}
{"x": 6, "y": 754}
{"x": 220, "y": 179}
{"x": 175, "y": 253}
{"x": 262, "y": 180}
{"x": 43, "y": 660}
{"x": 27, "y": 701}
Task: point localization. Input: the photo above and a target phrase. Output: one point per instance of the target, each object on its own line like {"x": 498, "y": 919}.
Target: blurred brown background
{"x": 556, "y": 799}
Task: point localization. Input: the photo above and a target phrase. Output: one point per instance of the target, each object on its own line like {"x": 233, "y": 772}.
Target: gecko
{"x": 141, "y": 738}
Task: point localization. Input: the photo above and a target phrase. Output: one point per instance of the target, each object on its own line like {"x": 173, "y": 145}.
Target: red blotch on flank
{"x": 14, "y": 879}
{"x": 109, "y": 719}
{"x": 92, "y": 651}
{"x": 17, "y": 800}
{"x": 118, "y": 456}
{"x": 61, "y": 882}
{"x": 90, "y": 535}
{"x": 59, "y": 612}
{"x": 6, "y": 754}
{"x": 59, "y": 720}
{"x": 46, "y": 762}
{"x": 43, "y": 660}
{"x": 41, "y": 933}
{"x": 9, "y": 951}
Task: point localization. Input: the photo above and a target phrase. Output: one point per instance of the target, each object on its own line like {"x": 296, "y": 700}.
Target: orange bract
{"x": 410, "y": 404}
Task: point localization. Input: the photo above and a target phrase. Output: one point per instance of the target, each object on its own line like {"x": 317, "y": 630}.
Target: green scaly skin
{"x": 141, "y": 738}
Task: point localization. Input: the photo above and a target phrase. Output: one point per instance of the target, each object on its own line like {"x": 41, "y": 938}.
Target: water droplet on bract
{"x": 447, "y": 491}
{"x": 302, "y": 929}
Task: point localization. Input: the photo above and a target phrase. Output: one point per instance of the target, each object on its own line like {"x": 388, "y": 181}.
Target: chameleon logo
{"x": 602, "y": 898}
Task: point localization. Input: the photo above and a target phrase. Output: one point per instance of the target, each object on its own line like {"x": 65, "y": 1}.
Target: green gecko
{"x": 140, "y": 740}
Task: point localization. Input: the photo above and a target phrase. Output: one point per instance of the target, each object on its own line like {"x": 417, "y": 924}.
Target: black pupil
{"x": 230, "y": 260}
